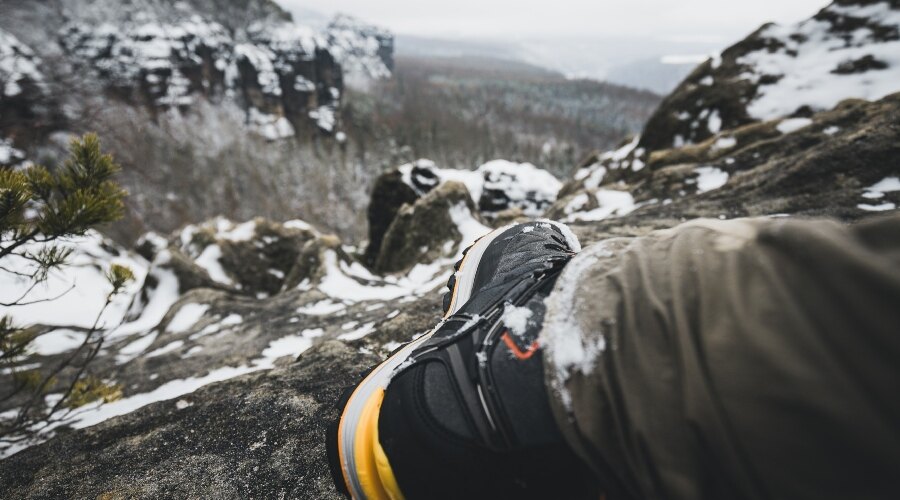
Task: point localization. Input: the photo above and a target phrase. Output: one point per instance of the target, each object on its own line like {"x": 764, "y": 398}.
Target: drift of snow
{"x": 515, "y": 319}
{"x": 886, "y": 185}
{"x": 17, "y": 63}
{"x": 171, "y": 346}
{"x": 881, "y": 207}
{"x": 522, "y": 185}
{"x": 209, "y": 260}
{"x": 611, "y": 203}
{"x": 291, "y": 345}
{"x": 78, "y": 289}
{"x": 593, "y": 174}
{"x": 714, "y": 122}
{"x": 133, "y": 349}
{"x": 710, "y": 178}
{"x": 56, "y": 342}
{"x": 821, "y": 74}
{"x": 792, "y": 125}
{"x": 358, "y": 333}
{"x": 724, "y": 143}
{"x": 95, "y": 413}
{"x": 141, "y": 316}
{"x": 186, "y": 317}
{"x": 567, "y": 346}
{"x": 467, "y": 225}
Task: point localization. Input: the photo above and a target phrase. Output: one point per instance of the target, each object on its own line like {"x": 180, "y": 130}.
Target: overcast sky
{"x": 706, "y": 20}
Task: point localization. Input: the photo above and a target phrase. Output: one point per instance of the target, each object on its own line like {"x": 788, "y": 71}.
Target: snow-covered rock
{"x": 218, "y": 300}
{"x": 9, "y": 155}
{"x": 287, "y": 78}
{"x": 73, "y": 295}
{"x": 171, "y": 65}
{"x": 840, "y": 163}
{"x": 24, "y": 112}
{"x": 495, "y": 186}
{"x": 849, "y": 49}
{"x": 18, "y": 66}
{"x": 364, "y": 51}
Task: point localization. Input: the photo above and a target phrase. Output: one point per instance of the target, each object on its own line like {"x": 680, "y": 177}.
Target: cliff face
{"x": 233, "y": 96}
{"x": 163, "y": 55}
{"x": 239, "y": 337}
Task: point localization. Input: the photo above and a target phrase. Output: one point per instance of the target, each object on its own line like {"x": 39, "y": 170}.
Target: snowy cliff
{"x": 849, "y": 49}
{"x": 284, "y": 76}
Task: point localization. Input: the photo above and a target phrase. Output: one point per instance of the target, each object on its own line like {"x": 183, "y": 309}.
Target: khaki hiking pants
{"x": 750, "y": 358}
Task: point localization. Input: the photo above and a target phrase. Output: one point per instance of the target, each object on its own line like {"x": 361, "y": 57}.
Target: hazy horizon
{"x": 707, "y": 21}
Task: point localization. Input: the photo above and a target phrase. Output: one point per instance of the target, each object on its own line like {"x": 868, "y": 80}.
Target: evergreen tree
{"x": 39, "y": 209}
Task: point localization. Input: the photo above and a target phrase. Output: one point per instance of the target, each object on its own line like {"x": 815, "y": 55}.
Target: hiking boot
{"x": 462, "y": 410}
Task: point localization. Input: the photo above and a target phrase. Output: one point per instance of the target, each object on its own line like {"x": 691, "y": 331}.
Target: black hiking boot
{"x": 463, "y": 411}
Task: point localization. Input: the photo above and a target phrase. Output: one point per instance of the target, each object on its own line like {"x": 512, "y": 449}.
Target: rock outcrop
{"x": 501, "y": 191}
{"x": 27, "y": 112}
{"x": 847, "y": 50}
{"x": 826, "y": 165}
{"x": 428, "y": 229}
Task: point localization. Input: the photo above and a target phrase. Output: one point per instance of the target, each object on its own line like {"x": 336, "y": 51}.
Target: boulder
{"x": 389, "y": 193}
{"x": 501, "y": 190}
{"x": 426, "y": 230}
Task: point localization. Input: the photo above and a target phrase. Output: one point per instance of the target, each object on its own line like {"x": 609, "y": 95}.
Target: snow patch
{"x": 516, "y": 319}
{"x": 881, "y": 207}
{"x": 566, "y": 345}
{"x": 359, "y": 332}
{"x": 291, "y": 345}
{"x": 209, "y": 260}
{"x": 710, "y": 178}
{"x": 186, "y": 317}
{"x": 792, "y": 125}
{"x": 814, "y": 61}
{"x": 57, "y": 342}
{"x": 886, "y": 185}
{"x": 133, "y": 349}
{"x": 510, "y": 184}
{"x": 611, "y": 203}
{"x": 76, "y": 293}
{"x": 18, "y": 64}
{"x": 724, "y": 143}
{"x": 172, "y": 346}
